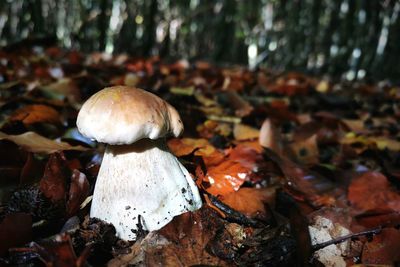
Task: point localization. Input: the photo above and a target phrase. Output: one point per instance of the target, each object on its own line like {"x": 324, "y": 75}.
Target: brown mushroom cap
{"x": 121, "y": 115}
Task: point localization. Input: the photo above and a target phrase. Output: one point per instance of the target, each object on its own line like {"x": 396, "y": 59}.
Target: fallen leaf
{"x": 15, "y": 230}
{"x": 54, "y": 184}
{"x": 210, "y": 128}
{"x": 182, "y": 242}
{"x": 251, "y": 144}
{"x": 203, "y": 148}
{"x": 78, "y": 191}
{"x": 187, "y": 236}
{"x": 306, "y": 151}
{"x": 383, "y": 249}
{"x": 242, "y": 107}
{"x": 303, "y": 184}
{"x": 245, "y": 132}
{"x": 226, "y": 177}
{"x": 270, "y": 137}
{"x": 291, "y": 84}
{"x": 63, "y": 88}
{"x": 372, "y": 192}
{"x": 204, "y": 100}
{"x": 35, "y": 114}
{"x": 250, "y": 201}
{"x": 246, "y": 155}
{"x": 36, "y": 143}
{"x": 60, "y": 252}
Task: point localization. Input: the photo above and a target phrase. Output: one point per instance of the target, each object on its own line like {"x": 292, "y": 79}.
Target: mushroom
{"x": 138, "y": 177}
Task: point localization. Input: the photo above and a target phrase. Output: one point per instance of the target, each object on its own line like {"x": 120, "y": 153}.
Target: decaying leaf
{"x": 59, "y": 252}
{"x": 78, "y": 191}
{"x": 182, "y": 242}
{"x": 15, "y": 230}
{"x": 54, "y": 183}
{"x": 200, "y": 146}
{"x": 36, "y": 113}
{"x": 373, "y": 192}
{"x": 250, "y": 201}
{"x": 64, "y": 88}
{"x": 306, "y": 151}
{"x": 245, "y": 132}
{"x": 36, "y": 143}
{"x": 226, "y": 177}
{"x": 383, "y": 249}
{"x": 270, "y": 138}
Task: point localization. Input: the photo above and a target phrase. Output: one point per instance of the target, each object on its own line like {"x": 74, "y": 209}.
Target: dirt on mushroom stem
{"x": 143, "y": 179}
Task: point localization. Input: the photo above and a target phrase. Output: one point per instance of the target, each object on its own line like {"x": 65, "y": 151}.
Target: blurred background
{"x": 351, "y": 39}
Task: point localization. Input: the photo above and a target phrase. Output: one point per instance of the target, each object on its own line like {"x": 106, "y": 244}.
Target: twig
{"x": 232, "y": 214}
{"x": 344, "y": 238}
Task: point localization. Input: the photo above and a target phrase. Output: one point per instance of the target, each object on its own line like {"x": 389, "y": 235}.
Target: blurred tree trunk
{"x": 374, "y": 24}
{"x": 35, "y": 9}
{"x": 225, "y": 25}
{"x": 307, "y": 35}
{"x": 150, "y": 28}
{"x": 390, "y": 59}
{"x": 327, "y": 39}
{"x": 103, "y": 24}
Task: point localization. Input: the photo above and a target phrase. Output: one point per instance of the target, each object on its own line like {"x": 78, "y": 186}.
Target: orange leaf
{"x": 250, "y": 201}
{"x": 185, "y": 146}
{"x": 373, "y": 192}
{"x": 36, "y": 113}
{"x": 306, "y": 151}
{"x": 384, "y": 248}
{"x": 226, "y": 177}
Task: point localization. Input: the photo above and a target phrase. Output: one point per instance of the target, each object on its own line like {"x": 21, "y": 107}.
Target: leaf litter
{"x": 289, "y": 174}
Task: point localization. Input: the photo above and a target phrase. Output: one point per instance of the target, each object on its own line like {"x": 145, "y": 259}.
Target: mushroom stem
{"x": 142, "y": 179}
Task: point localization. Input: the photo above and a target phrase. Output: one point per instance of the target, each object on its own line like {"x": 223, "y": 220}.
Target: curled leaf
{"x": 53, "y": 184}
{"x": 78, "y": 191}
{"x": 36, "y": 143}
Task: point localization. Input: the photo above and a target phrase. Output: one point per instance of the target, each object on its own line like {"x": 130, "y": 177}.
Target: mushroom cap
{"x": 121, "y": 115}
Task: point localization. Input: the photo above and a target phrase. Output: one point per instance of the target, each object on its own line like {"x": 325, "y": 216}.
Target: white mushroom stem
{"x": 142, "y": 179}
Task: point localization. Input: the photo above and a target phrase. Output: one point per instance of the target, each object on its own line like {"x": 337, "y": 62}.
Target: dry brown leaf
{"x": 373, "y": 192}
{"x": 205, "y": 101}
{"x": 78, "y": 191}
{"x": 250, "y": 201}
{"x": 306, "y": 151}
{"x": 252, "y": 144}
{"x": 36, "y": 143}
{"x": 245, "y": 132}
{"x": 54, "y": 184}
{"x": 182, "y": 242}
{"x": 36, "y": 113}
{"x": 366, "y": 142}
{"x": 242, "y": 107}
{"x": 384, "y": 248}
{"x": 65, "y": 87}
{"x": 185, "y": 146}
{"x": 15, "y": 230}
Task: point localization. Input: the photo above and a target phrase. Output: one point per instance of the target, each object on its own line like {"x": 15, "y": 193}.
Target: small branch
{"x": 344, "y": 238}
{"x": 232, "y": 214}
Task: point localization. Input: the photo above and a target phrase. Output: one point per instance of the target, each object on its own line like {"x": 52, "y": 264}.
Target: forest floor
{"x": 293, "y": 170}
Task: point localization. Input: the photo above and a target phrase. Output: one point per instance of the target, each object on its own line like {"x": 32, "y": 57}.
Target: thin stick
{"x": 344, "y": 238}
